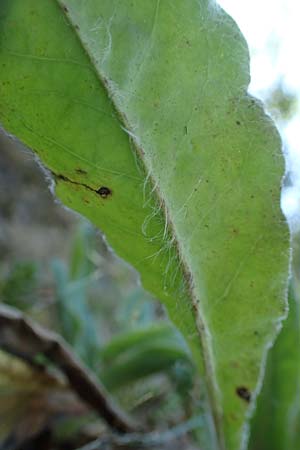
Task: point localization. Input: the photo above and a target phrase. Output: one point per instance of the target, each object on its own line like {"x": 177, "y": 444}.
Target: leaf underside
{"x": 140, "y": 111}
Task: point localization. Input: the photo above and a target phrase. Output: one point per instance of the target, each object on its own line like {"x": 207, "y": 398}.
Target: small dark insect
{"x": 104, "y": 192}
{"x": 244, "y": 393}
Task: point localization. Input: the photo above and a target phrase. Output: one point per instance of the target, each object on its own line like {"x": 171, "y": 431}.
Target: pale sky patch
{"x": 272, "y": 30}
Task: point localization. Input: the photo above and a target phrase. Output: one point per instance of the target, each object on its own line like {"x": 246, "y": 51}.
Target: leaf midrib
{"x": 188, "y": 275}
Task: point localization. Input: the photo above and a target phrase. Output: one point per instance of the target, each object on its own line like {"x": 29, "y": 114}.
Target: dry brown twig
{"x": 21, "y": 337}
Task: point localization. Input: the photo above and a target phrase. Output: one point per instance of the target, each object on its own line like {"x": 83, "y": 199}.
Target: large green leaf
{"x": 139, "y": 109}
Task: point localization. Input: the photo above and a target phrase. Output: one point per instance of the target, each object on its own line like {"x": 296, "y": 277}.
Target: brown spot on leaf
{"x": 81, "y": 171}
{"x": 104, "y": 192}
{"x": 244, "y": 393}
{"x": 61, "y": 177}
{"x": 235, "y": 364}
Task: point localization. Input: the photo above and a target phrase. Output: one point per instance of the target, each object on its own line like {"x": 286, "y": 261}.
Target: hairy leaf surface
{"x": 139, "y": 109}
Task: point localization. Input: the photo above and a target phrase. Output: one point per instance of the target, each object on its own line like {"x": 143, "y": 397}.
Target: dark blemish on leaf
{"x": 61, "y": 177}
{"x": 81, "y": 171}
{"x": 185, "y": 130}
{"x": 65, "y": 8}
{"x": 243, "y": 393}
{"x": 235, "y": 364}
{"x": 104, "y": 192}
{"x": 238, "y": 122}
{"x": 76, "y": 27}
